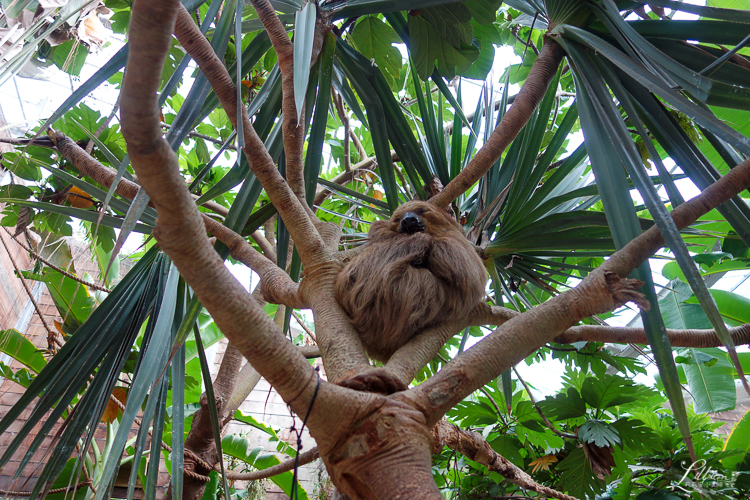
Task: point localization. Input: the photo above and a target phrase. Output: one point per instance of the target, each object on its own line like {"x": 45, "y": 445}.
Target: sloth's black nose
{"x": 411, "y": 223}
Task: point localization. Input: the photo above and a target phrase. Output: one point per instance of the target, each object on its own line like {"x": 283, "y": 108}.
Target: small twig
{"x": 266, "y": 247}
{"x": 536, "y": 407}
{"x": 58, "y": 269}
{"x": 411, "y": 102}
{"x": 401, "y": 177}
{"x": 269, "y": 228}
{"x": 64, "y": 489}
{"x": 304, "y": 327}
{"x": 51, "y": 337}
{"x": 339, "y": 101}
{"x": 528, "y": 45}
{"x": 287, "y": 465}
{"x": 358, "y": 146}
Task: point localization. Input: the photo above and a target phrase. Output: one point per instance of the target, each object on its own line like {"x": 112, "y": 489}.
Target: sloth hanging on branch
{"x": 417, "y": 271}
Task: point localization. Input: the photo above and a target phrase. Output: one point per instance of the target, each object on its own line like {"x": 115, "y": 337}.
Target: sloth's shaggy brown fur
{"x": 402, "y": 284}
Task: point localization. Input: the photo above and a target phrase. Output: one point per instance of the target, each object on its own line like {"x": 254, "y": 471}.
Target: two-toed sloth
{"x": 417, "y": 271}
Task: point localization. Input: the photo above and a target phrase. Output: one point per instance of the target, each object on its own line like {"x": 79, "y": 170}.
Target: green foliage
{"x": 70, "y": 57}
{"x": 542, "y": 214}
{"x": 374, "y": 39}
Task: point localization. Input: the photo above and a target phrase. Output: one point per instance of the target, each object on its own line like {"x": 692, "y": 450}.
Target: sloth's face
{"x": 419, "y": 216}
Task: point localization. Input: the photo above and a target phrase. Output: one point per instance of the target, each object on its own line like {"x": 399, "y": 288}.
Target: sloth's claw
{"x": 377, "y": 380}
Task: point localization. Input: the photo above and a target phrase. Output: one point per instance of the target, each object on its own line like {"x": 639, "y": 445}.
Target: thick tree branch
{"x": 602, "y": 290}
{"x": 474, "y": 447}
{"x": 339, "y": 344}
{"x": 265, "y": 246}
{"x": 515, "y": 119}
{"x": 677, "y": 338}
{"x": 91, "y": 167}
{"x": 295, "y": 213}
{"x": 415, "y": 354}
{"x": 180, "y": 230}
{"x": 496, "y": 315}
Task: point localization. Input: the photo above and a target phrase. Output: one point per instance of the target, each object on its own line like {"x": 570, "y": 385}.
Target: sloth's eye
{"x": 421, "y": 211}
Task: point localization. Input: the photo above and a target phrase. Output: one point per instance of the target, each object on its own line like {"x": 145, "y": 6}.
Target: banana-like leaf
{"x": 17, "y": 346}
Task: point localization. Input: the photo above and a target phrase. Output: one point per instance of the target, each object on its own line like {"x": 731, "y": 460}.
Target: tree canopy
{"x": 304, "y": 123}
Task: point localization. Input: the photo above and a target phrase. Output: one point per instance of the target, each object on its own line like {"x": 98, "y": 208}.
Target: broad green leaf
{"x": 70, "y": 56}
{"x": 710, "y": 378}
{"x": 73, "y": 301}
{"x": 22, "y": 166}
{"x": 635, "y": 435}
{"x": 483, "y": 11}
{"x": 17, "y": 346}
{"x": 734, "y": 307}
{"x": 240, "y": 448}
{"x": 599, "y": 432}
{"x": 482, "y": 66}
{"x": 607, "y": 391}
{"x": 576, "y": 476}
{"x": 285, "y": 480}
{"x": 429, "y": 45}
{"x": 738, "y": 439}
{"x": 564, "y": 405}
{"x": 212, "y": 486}
{"x": 15, "y": 191}
{"x": 375, "y": 39}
